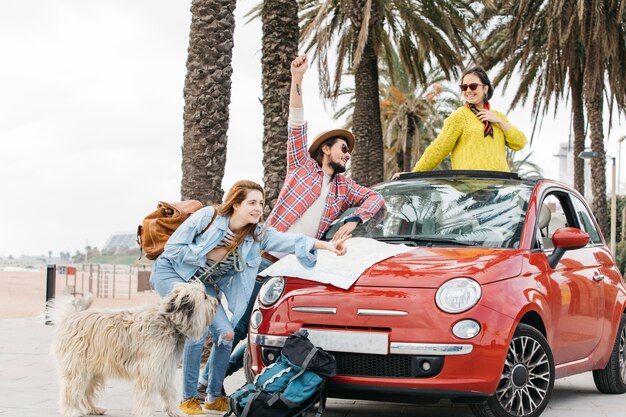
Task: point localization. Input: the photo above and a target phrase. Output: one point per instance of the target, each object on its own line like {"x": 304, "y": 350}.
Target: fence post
{"x": 98, "y": 282}
{"x": 113, "y": 296}
{"x": 105, "y": 285}
{"x": 51, "y": 276}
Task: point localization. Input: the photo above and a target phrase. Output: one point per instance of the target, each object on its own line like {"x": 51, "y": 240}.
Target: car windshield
{"x": 450, "y": 212}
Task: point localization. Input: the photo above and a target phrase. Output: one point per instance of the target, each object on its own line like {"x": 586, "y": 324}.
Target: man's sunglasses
{"x": 472, "y": 86}
{"x": 344, "y": 148}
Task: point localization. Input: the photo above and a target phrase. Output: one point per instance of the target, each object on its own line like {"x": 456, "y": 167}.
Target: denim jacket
{"x": 187, "y": 253}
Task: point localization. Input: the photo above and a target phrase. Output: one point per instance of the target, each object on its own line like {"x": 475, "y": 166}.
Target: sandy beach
{"x": 23, "y": 294}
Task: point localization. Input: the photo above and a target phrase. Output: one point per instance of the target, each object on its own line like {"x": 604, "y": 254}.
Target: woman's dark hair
{"x": 318, "y": 155}
{"x": 484, "y": 78}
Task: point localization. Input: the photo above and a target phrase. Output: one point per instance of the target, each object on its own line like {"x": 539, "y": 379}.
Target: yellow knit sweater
{"x": 462, "y": 136}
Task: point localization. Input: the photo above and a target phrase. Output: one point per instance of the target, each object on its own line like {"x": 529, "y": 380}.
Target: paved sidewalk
{"x": 28, "y": 386}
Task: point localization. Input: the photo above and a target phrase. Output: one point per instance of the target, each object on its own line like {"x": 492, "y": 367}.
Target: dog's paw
{"x": 98, "y": 411}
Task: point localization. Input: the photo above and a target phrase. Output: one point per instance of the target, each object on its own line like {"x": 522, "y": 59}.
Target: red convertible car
{"x": 509, "y": 285}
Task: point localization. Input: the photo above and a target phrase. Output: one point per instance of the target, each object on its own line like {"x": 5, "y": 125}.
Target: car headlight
{"x": 466, "y": 329}
{"x": 458, "y": 295}
{"x": 271, "y": 290}
{"x": 256, "y": 319}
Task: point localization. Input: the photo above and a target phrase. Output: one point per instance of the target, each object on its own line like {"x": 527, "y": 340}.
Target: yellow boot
{"x": 220, "y": 404}
{"x": 192, "y": 407}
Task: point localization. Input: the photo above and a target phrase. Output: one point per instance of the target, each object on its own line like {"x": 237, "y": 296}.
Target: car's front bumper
{"x": 420, "y": 354}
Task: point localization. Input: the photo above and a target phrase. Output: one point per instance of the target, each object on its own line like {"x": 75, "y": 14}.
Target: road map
{"x": 339, "y": 271}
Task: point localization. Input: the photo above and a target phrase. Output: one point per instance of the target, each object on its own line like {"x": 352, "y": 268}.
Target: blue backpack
{"x": 290, "y": 386}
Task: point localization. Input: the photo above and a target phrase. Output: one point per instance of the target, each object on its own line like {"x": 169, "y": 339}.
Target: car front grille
{"x": 387, "y": 366}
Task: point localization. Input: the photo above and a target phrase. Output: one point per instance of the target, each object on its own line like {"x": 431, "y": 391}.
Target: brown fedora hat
{"x": 335, "y": 133}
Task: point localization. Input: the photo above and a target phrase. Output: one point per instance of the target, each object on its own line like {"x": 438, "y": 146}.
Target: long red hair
{"x": 236, "y": 195}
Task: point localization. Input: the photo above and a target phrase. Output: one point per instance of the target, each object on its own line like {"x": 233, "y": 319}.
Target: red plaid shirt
{"x": 303, "y": 185}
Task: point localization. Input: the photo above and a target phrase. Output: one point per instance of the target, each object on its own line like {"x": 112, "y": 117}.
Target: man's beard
{"x": 337, "y": 167}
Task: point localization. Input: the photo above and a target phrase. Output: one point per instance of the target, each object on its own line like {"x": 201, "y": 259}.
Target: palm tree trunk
{"x": 368, "y": 158}
{"x": 578, "y": 122}
{"x": 207, "y": 97}
{"x": 280, "y": 47}
{"x": 368, "y": 163}
{"x": 598, "y": 165}
{"x": 408, "y": 144}
{"x": 401, "y": 147}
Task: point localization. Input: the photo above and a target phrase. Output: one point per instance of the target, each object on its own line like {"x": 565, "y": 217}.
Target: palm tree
{"x": 361, "y": 32}
{"x": 412, "y": 118}
{"x": 540, "y": 42}
{"x": 604, "y": 38}
{"x": 524, "y": 167}
{"x": 207, "y": 97}
{"x": 557, "y": 44}
{"x": 280, "y": 47}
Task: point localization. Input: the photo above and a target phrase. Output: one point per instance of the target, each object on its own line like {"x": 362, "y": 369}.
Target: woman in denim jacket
{"x": 226, "y": 257}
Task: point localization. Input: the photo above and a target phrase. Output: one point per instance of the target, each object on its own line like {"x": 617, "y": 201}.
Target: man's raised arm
{"x": 298, "y": 68}
{"x": 297, "y": 153}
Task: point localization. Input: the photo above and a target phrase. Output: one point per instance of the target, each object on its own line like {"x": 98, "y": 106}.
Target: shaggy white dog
{"x": 142, "y": 345}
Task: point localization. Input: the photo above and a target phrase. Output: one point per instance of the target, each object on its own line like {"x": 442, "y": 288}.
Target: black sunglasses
{"x": 472, "y": 86}
{"x": 344, "y": 148}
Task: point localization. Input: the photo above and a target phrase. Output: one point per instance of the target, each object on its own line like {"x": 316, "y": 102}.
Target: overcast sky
{"x": 91, "y": 103}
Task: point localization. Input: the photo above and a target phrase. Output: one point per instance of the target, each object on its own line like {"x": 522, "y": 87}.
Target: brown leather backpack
{"x": 158, "y": 226}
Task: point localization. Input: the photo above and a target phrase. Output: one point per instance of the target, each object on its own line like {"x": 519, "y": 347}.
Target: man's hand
{"x": 344, "y": 231}
{"x": 397, "y": 175}
{"x": 338, "y": 246}
{"x": 298, "y": 68}
{"x": 299, "y": 65}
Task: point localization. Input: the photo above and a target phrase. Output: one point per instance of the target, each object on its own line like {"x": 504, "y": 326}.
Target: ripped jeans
{"x": 162, "y": 279}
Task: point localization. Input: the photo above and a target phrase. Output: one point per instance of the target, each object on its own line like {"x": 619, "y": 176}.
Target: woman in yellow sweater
{"x": 474, "y": 135}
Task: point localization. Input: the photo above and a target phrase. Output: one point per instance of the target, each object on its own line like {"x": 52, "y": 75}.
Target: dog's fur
{"x": 142, "y": 345}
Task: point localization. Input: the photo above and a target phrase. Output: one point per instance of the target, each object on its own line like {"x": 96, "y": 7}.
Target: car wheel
{"x": 612, "y": 379}
{"x": 247, "y": 370}
{"x": 527, "y": 379}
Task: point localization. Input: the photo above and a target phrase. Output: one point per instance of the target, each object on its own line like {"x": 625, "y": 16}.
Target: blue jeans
{"x": 235, "y": 362}
{"x": 162, "y": 279}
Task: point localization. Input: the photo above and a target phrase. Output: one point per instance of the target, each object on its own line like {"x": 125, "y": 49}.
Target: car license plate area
{"x": 350, "y": 341}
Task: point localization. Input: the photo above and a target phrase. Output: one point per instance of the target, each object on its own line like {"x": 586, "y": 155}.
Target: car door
{"x": 576, "y": 298}
{"x": 601, "y": 253}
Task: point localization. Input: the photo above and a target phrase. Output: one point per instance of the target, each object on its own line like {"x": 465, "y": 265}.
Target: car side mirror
{"x": 564, "y": 239}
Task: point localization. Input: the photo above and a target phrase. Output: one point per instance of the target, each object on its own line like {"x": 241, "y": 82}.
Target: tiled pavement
{"x": 28, "y": 386}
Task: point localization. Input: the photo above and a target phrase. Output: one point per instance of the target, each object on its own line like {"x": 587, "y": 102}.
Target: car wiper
{"x": 426, "y": 239}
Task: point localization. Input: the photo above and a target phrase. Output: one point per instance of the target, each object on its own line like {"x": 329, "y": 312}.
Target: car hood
{"x": 429, "y": 267}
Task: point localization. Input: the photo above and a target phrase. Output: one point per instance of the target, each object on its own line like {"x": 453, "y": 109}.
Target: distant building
{"x": 565, "y": 157}
{"x": 123, "y": 240}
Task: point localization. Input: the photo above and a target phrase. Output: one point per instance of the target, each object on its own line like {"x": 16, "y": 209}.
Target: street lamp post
{"x": 619, "y": 177}
{"x": 619, "y": 159}
{"x": 589, "y": 154}
{"x": 613, "y": 206}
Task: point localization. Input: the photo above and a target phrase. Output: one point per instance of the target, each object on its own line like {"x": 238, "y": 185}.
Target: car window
{"x": 586, "y": 222}
{"x": 488, "y": 213}
{"x": 551, "y": 217}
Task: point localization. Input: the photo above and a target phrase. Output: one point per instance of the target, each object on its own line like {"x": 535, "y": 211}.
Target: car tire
{"x": 527, "y": 378}
{"x": 247, "y": 370}
{"x": 612, "y": 379}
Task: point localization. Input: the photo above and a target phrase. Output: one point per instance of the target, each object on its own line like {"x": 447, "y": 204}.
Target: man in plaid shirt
{"x": 314, "y": 193}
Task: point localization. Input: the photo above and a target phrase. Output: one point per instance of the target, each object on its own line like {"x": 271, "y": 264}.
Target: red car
{"x": 510, "y": 285}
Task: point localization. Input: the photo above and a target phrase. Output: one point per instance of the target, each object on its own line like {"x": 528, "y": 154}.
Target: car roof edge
{"x": 469, "y": 174}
